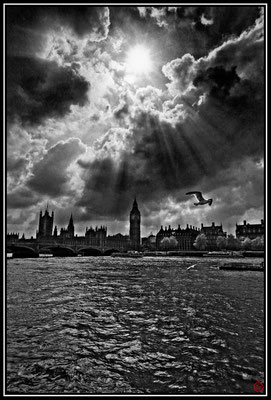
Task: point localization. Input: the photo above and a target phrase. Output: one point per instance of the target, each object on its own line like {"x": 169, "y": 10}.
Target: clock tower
{"x": 135, "y": 227}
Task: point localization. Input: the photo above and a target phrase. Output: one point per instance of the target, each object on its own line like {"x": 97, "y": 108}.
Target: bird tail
{"x": 196, "y": 204}
{"x": 210, "y": 201}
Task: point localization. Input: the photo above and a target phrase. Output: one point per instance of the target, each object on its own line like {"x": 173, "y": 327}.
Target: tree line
{"x": 222, "y": 243}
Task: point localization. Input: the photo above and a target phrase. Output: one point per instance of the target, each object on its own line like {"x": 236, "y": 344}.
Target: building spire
{"x": 55, "y": 231}
{"x": 71, "y": 227}
{"x": 135, "y": 240}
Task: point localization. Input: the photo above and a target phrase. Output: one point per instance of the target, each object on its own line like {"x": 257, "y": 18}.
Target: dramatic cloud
{"x": 21, "y": 198}
{"x": 39, "y": 89}
{"x": 29, "y": 28}
{"x": 92, "y": 22}
{"x": 50, "y": 175}
{"x": 180, "y": 72}
{"x": 87, "y": 133}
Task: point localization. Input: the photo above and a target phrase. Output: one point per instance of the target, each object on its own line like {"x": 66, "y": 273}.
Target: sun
{"x": 138, "y": 60}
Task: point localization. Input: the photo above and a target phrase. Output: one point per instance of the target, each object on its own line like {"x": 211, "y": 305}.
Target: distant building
{"x": 149, "y": 243}
{"x": 96, "y": 237}
{"x": 71, "y": 227}
{"x": 45, "y": 225}
{"x": 135, "y": 241}
{"x": 12, "y": 238}
{"x": 185, "y": 238}
{"x": 66, "y": 233}
{"x": 118, "y": 242}
{"x": 212, "y": 232}
{"x": 250, "y": 231}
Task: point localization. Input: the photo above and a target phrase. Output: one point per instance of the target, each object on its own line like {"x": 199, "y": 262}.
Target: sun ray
{"x": 138, "y": 60}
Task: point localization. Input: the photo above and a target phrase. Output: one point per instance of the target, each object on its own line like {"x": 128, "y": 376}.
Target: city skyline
{"x": 108, "y": 103}
{"x": 56, "y": 229}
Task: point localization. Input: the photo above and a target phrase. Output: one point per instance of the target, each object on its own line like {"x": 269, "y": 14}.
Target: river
{"x": 106, "y": 325}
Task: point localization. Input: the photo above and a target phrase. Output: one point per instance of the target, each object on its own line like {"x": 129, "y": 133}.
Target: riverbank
{"x": 230, "y": 263}
{"x": 242, "y": 267}
{"x": 196, "y": 262}
{"x": 234, "y": 265}
{"x": 204, "y": 253}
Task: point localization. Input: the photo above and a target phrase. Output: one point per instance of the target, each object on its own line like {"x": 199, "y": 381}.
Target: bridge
{"x": 71, "y": 248}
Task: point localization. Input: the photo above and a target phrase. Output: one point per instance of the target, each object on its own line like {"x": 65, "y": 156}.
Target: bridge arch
{"x": 45, "y": 249}
{"x": 62, "y": 251}
{"x": 90, "y": 251}
{"x": 108, "y": 252}
{"x": 23, "y": 252}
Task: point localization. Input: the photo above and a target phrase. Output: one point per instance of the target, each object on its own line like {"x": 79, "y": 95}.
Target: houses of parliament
{"x": 166, "y": 238}
{"x": 96, "y": 237}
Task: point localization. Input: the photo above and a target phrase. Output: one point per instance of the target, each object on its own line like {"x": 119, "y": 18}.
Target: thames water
{"x": 103, "y": 325}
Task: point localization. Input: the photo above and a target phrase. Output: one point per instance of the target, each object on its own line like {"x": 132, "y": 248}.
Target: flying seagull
{"x": 201, "y": 199}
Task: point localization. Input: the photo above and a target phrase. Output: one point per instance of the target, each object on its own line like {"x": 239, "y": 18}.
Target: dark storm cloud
{"x": 163, "y": 158}
{"x": 245, "y": 178}
{"x": 237, "y": 190}
{"x": 225, "y": 93}
{"x": 201, "y": 127}
{"x": 50, "y": 176}
{"x": 16, "y": 164}
{"x": 28, "y": 25}
{"x": 17, "y": 168}
{"x": 184, "y": 29}
{"x": 38, "y": 89}
{"x": 107, "y": 187}
{"x": 156, "y": 161}
{"x": 219, "y": 80}
{"x": 217, "y": 22}
{"x": 21, "y": 197}
{"x": 182, "y": 156}
{"x": 229, "y": 21}
{"x": 84, "y": 20}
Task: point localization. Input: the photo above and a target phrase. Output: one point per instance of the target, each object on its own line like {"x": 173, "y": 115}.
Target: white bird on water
{"x": 200, "y": 198}
{"x": 191, "y": 266}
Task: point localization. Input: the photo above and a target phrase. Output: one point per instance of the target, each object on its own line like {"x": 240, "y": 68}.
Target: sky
{"x": 105, "y": 103}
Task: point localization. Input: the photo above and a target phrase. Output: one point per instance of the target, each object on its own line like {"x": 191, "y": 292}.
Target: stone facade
{"x": 149, "y": 243}
{"x": 118, "y": 242}
{"x": 67, "y": 233}
{"x": 96, "y": 237}
{"x": 45, "y": 225}
{"x": 184, "y": 238}
{"x": 250, "y": 231}
{"x": 212, "y": 232}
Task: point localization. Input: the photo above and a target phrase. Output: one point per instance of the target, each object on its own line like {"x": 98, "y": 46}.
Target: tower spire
{"x": 135, "y": 227}
{"x": 71, "y": 227}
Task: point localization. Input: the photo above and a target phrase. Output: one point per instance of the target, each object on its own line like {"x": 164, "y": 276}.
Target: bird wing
{"x": 191, "y": 266}
{"x": 197, "y": 194}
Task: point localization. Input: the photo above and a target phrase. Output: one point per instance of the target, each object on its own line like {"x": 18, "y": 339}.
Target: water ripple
{"x": 141, "y": 326}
